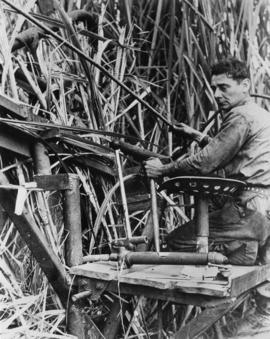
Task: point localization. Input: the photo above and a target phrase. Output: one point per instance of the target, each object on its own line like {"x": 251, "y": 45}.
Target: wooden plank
{"x": 246, "y": 277}
{"x": 96, "y": 161}
{"x": 14, "y": 140}
{"x": 200, "y": 324}
{"x": 182, "y": 278}
{"x": 96, "y": 164}
{"x": 172, "y": 295}
{"x": 35, "y": 240}
{"x": 103, "y": 271}
{"x": 17, "y": 109}
{"x": 160, "y": 277}
{"x": 11, "y": 106}
{"x": 53, "y": 182}
{"x": 175, "y": 277}
{"x": 213, "y": 289}
{"x": 140, "y": 278}
{"x": 197, "y": 326}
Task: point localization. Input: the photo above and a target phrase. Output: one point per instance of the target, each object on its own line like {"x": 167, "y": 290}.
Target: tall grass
{"x": 162, "y": 51}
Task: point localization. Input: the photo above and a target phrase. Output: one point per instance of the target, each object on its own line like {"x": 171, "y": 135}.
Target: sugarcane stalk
{"x": 123, "y": 193}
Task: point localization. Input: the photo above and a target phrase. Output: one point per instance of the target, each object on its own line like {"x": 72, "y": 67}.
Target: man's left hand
{"x": 153, "y": 168}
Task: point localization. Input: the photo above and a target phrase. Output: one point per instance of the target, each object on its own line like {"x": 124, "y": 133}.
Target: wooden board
{"x": 53, "y": 182}
{"x": 182, "y": 278}
{"x": 103, "y": 271}
{"x": 244, "y": 278}
{"x": 199, "y": 324}
{"x": 14, "y": 140}
{"x": 17, "y": 109}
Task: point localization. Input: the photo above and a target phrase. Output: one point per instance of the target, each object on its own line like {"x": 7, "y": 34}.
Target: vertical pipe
{"x": 123, "y": 193}
{"x": 41, "y": 159}
{"x": 76, "y": 323}
{"x": 202, "y": 224}
{"x": 155, "y": 214}
{"x": 45, "y": 200}
{"x": 72, "y": 222}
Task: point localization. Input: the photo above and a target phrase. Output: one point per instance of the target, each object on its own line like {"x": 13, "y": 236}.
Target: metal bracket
{"x": 93, "y": 287}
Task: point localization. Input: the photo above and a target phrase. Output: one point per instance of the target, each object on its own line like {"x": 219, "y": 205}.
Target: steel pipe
{"x": 174, "y": 258}
{"x": 154, "y": 210}
{"x": 162, "y": 258}
{"x": 101, "y": 257}
{"x": 201, "y": 223}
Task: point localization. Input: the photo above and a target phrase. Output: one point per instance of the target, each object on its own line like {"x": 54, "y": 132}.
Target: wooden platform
{"x": 187, "y": 279}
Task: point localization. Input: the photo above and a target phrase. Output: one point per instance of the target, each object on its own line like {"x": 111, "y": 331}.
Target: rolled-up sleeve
{"x": 218, "y": 152}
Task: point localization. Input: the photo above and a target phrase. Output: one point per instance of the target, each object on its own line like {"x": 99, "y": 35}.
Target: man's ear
{"x": 246, "y": 85}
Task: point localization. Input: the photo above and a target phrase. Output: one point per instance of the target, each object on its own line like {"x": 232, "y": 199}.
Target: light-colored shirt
{"x": 241, "y": 148}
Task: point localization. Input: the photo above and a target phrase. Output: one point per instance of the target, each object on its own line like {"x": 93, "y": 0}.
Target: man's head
{"x": 230, "y": 83}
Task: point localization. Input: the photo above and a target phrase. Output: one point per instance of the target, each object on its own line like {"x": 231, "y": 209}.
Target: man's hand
{"x": 153, "y": 168}
{"x": 184, "y": 129}
{"x": 187, "y": 130}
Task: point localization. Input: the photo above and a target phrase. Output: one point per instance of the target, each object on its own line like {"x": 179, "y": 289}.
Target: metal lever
{"x": 154, "y": 214}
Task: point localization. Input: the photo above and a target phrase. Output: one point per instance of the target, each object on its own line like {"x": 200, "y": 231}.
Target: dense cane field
{"x": 122, "y": 68}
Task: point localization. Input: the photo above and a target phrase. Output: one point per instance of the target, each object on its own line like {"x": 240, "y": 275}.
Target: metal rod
{"x": 162, "y": 258}
{"x": 174, "y": 258}
{"x": 127, "y": 241}
{"x": 141, "y": 239}
{"x": 100, "y": 257}
{"x": 72, "y": 222}
{"x": 123, "y": 193}
{"x": 154, "y": 211}
{"x": 81, "y": 295}
{"x": 202, "y": 224}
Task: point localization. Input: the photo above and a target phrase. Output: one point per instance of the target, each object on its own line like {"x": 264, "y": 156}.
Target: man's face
{"x": 228, "y": 92}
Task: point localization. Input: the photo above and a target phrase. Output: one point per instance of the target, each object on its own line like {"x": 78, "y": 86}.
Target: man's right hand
{"x": 187, "y": 130}
{"x": 184, "y": 129}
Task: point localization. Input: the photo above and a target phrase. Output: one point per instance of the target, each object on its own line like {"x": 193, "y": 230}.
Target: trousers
{"x": 240, "y": 229}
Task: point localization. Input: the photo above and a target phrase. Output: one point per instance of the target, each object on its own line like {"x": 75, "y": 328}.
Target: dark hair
{"x": 233, "y": 68}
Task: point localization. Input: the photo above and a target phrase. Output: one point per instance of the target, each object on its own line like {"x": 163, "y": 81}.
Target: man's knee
{"x": 182, "y": 238}
{"x": 245, "y": 254}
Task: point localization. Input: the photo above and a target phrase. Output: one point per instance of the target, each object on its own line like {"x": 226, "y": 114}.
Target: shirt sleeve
{"x": 217, "y": 153}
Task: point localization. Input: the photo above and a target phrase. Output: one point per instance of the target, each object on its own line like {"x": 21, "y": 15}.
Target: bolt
{"x": 99, "y": 285}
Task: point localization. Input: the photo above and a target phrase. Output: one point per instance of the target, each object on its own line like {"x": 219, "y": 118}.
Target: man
{"x": 242, "y": 148}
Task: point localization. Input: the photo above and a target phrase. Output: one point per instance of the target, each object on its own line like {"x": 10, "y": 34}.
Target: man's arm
{"x": 202, "y": 138}
{"x": 217, "y": 154}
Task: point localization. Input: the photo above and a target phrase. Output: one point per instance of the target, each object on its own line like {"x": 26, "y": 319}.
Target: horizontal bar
{"x": 53, "y": 182}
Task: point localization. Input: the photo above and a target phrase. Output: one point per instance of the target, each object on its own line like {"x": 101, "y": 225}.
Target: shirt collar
{"x": 245, "y": 101}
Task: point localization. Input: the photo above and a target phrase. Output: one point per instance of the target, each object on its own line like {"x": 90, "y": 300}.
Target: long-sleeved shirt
{"x": 241, "y": 148}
